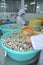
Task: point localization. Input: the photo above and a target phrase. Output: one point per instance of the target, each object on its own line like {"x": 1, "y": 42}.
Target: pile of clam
{"x": 16, "y": 42}
{"x": 13, "y": 26}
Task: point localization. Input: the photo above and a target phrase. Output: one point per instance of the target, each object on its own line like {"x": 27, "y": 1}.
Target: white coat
{"x": 20, "y": 21}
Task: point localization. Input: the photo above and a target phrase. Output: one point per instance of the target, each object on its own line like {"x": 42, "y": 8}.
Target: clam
{"x": 16, "y": 42}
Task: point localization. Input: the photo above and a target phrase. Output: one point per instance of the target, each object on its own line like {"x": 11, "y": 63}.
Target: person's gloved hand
{"x": 28, "y": 39}
{"x": 26, "y": 23}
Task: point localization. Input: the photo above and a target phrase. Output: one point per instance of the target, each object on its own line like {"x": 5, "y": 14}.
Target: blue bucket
{"x": 18, "y": 55}
{"x": 7, "y": 30}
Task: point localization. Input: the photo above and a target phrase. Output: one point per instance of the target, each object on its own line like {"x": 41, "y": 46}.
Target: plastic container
{"x": 8, "y": 22}
{"x": 18, "y": 55}
{"x": 4, "y": 30}
{"x": 40, "y": 19}
{"x": 36, "y": 23}
{"x": 3, "y": 21}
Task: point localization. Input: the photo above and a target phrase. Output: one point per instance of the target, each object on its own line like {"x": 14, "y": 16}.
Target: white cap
{"x": 21, "y": 11}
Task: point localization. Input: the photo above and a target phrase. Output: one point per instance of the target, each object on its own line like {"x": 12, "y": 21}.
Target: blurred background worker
{"x": 8, "y": 21}
{"x": 20, "y": 18}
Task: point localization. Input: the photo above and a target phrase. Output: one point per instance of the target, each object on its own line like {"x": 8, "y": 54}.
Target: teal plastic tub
{"x": 4, "y": 30}
{"x": 18, "y": 55}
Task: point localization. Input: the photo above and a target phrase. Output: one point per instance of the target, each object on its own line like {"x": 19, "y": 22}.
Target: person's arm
{"x": 20, "y": 20}
{"x": 26, "y": 23}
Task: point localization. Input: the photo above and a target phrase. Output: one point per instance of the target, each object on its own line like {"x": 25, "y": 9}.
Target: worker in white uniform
{"x": 20, "y": 20}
